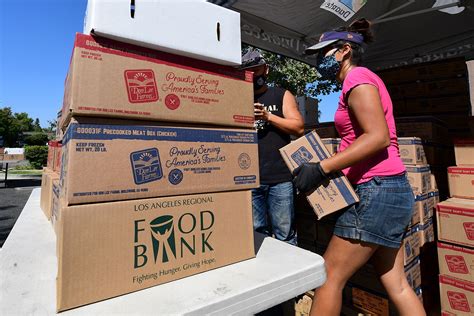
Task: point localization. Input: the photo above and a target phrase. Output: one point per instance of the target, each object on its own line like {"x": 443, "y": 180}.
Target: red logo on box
{"x": 172, "y": 101}
{"x": 456, "y": 264}
{"x": 458, "y": 301}
{"x": 141, "y": 86}
{"x": 469, "y": 229}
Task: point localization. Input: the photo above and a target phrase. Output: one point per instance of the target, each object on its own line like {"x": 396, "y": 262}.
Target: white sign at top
{"x": 345, "y": 9}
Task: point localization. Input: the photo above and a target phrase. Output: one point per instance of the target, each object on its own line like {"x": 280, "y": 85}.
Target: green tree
{"x": 298, "y": 77}
{"x": 37, "y": 126}
{"x": 36, "y": 155}
{"x": 12, "y": 125}
{"x": 39, "y": 139}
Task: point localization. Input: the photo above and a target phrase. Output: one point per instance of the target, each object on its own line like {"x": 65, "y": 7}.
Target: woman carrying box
{"x": 368, "y": 155}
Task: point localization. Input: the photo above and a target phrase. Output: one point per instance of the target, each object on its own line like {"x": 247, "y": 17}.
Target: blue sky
{"x": 36, "y": 41}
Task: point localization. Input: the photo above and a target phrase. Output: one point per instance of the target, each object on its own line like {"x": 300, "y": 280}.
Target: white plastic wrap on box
{"x": 192, "y": 28}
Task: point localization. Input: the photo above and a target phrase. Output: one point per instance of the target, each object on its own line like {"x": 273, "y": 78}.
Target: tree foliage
{"x": 13, "y": 126}
{"x": 298, "y": 77}
{"x": 36, "y": 155}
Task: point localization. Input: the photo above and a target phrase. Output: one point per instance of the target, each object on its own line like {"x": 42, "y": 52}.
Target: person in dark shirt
{"x": 276, "y": 118}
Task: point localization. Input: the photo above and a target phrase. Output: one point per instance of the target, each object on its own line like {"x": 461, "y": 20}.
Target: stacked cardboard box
{"x": 456, "y": 235}
{"x": 149, "y": 143}
{"x": 440, "y": 89}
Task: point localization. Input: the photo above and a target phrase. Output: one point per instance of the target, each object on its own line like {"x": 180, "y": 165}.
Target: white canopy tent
{"x": 407, "y": 31}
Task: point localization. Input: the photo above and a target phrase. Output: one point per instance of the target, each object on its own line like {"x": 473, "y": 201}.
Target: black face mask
{"x": 259, "y": 82}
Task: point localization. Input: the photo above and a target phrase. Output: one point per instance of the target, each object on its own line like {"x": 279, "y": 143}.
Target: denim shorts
{"x": 383, "y": 213}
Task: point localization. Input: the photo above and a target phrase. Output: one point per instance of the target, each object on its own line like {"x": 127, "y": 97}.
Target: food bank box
{"x": 333, "y": 195}
{"x": 419, "y": 178}
{"x": 104, "y": 162}
{"x": 457, "y": 296}
{"x": 411, "y": 151}
{"x": 113, "y": 79}
{"x": 411, "y": 244}
{"x": 190, "y": 28}
{"x": 455, "y": 218}
{"x": 461, "y": 182}
{"x": 456, "y": 261}
{"x": 109, "y": 249}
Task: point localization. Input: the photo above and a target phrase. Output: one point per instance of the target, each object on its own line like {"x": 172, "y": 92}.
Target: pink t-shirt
{"x": 384, "y": 163}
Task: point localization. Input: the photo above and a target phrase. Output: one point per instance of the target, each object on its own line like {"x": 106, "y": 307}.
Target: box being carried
{"x": 332, "y": 144}
{"x": 110, "y": 249}
{"x": 112, "y": 79}
{"x": 196, "y": 29}
{"x": 455, "y": 218}
{"x": 333, "y": 195}
{"x": 103, "y": 162}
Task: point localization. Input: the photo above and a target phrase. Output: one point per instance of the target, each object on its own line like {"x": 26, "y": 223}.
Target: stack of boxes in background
{"x": 456, "y": 235}
{"x": 139, "y": 203}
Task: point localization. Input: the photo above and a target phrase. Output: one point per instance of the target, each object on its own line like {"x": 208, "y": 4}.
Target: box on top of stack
{"x": 112, "y": 79}
{"x": 215, "y": 37}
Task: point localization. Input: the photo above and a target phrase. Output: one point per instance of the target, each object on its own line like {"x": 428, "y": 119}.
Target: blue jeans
{"x": 273, "y": 211}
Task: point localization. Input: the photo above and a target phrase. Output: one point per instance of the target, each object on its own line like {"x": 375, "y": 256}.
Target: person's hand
{"x": 309, "y": 176}
{"x": 260, "y": 112}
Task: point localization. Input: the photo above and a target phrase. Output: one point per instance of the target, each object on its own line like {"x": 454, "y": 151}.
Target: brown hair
{"x": 363, "y": 27}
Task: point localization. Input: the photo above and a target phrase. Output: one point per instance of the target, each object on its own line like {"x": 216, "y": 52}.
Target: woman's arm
{"x": 365, "y": 104}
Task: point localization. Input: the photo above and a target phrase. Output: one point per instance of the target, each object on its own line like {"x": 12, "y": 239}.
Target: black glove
{"x": 309, "y": 176}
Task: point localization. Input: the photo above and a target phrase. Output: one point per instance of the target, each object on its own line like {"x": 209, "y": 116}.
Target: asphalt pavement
{"x": 13, "y": 198}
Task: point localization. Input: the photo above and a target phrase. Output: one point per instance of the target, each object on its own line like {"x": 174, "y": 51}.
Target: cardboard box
{"x": 112, "y": 79}
{"x": 422, "y": 209}
{"x": 470, "y": 69}
{"x": 434, "y": 196}
{"x": 332, "y": 145}
{"x": 457, "y": 296}
{"x": 464, "y": 151}
{"x": 413, "y": 273}
{"x": 411, "y": 244}
{"x": 424, "y": 127}
{"x": 333, "y": 195}
{"x": 419, "y": 178}
{"x": 461, "y": 182}
{"x": 103, "y": 162}
{"x": 143, "y": 243}
{"x": 214, "y": 36}
{"x": 411, "y": 151}
{"x": 57, "y": 158}
{"x": 455, "y": 220}
{"x": 426, "y": 232}
{"x": 456, "y": 261}
{"x": 366, "y": 301}
{"x": 327, "y": 130}
{"x": 55, "y": 204}
{"x": 46, "y": 197}
{"x": 53, "y": 155}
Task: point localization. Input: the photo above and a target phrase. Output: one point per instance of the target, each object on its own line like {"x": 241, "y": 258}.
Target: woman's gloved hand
{"x": 309, "y": 176}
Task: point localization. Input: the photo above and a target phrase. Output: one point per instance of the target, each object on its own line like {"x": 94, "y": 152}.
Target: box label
{"x": 458, "y": 301}
{"x": 456, "y": 264}
{"x": 141, "y": 86}
{"x": 146, "y": 166}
